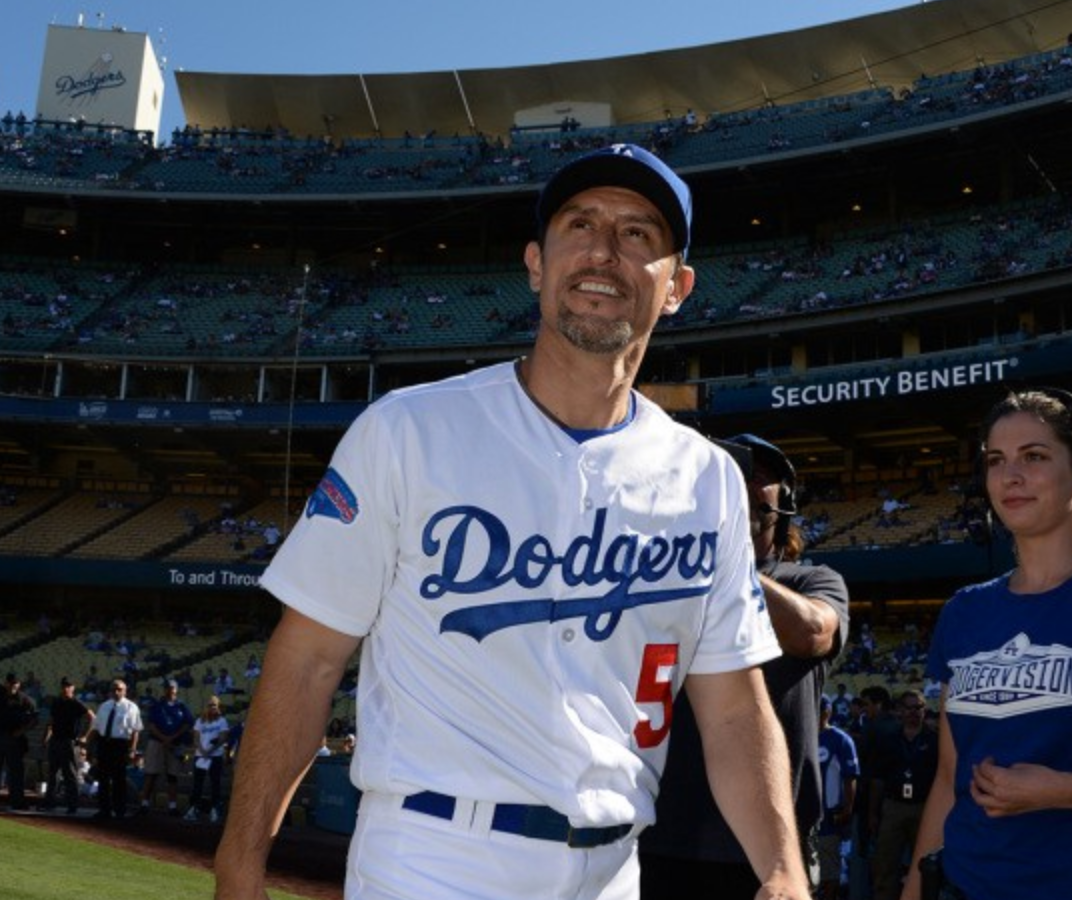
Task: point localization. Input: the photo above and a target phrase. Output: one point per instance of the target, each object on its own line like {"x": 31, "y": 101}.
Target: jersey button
{"x": 568, "y": 635}
{"x": 588, "y": 503}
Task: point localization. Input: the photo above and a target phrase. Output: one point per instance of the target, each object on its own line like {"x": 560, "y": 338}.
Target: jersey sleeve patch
{"x": 334, "y": 499}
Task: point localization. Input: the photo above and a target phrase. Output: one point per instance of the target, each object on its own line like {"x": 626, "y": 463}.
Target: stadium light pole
{"x": 290, "y": 405}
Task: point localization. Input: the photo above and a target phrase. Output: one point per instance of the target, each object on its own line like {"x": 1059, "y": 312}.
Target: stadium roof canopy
{"x": 886, "y": 50}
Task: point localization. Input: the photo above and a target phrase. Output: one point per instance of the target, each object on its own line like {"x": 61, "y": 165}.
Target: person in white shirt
{"x": 210, "y": 746}
{"x": 118, "y": 724}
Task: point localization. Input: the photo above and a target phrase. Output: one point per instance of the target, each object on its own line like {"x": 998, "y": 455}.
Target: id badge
{"x": 906, "y": 791}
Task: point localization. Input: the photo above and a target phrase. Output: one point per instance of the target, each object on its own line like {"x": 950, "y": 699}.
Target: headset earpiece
{"x": 787, "y": 507}
{"x": 787, "y": 498}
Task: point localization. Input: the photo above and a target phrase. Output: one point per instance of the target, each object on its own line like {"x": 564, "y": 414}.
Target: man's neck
{"x": 594, "y": 397}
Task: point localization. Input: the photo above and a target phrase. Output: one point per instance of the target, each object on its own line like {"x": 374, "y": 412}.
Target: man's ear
{"x": 534, "y": 263}
{"x": 681, "y": 284}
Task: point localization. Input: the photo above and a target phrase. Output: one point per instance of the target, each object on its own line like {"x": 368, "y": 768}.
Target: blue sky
{"x": 346, "y": 36}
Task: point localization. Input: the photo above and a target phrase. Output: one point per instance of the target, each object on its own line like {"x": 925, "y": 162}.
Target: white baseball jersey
{"x": 529, "y": 604}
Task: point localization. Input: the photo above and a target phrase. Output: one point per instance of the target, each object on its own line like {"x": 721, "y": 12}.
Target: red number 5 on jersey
{"x": 653, "y": 686}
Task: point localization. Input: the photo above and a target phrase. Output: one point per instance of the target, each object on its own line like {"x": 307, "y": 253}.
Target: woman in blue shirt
{"x": 1002, "y": 801}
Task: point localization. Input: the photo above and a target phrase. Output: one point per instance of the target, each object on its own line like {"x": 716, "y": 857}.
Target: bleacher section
{"x": 241, "y": 539}
{"x": 108, "y": 519}
{"x": 44, "y": 305}
{"x": 240, "y": 162}
{"x": 234, "y": 661}
{"x": 922, "y": 517}
{"x": 78, "y": 517}
{"x": 189, "y": 310}
{"x": 160, "y": 653}
{"x": 69, "y": 655}
{"x": 13, "y": 633}
{"x": 22, "y": 502}
{"x": 203, "y": 312}
{"x": 428, "y": 310}
{"x": 163, "y": 522}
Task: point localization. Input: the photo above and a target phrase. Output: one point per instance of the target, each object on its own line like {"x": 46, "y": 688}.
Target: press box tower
{"x": 101, "y": 77}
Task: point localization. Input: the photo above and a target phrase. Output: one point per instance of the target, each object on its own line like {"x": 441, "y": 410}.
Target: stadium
{"x": 190, "y": 321}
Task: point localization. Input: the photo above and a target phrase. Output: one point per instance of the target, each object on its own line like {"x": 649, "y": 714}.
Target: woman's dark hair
{"x": 1050, "y": 405}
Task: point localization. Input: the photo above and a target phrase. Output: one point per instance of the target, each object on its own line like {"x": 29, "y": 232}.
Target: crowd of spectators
{"x": 183, "y": 312}
{"x": 279, "y": 162}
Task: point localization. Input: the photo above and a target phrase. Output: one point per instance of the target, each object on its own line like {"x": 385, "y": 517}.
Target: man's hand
{"x": 786, "y": 888}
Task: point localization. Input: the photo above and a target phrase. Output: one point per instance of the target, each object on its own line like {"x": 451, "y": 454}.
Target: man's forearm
{"x": 753, "y": 786}
{"x": 280, "y": 739}
{"x": 806, "y": 627}
{"x": 302, "y": 669}
{"x": 748, "y": 768}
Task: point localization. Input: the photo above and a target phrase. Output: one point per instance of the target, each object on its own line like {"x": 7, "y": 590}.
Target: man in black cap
{"x": 63, "y": 735}
{"x": 536, "y": 559}
{"x": 18, "y": 713}
{"x": 691, "y": 847}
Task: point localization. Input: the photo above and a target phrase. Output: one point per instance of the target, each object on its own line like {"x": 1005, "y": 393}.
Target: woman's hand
{"x": 1019, "y": 788}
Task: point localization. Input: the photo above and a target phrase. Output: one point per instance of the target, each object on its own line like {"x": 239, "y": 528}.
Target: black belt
{"x": 540, "y": 822}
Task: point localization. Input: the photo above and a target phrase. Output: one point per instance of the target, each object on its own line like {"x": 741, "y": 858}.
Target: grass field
{"x": 37, "y": 864}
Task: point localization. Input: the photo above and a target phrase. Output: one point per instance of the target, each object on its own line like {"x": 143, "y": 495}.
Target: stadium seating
{"x": 46, "y": 305}
{"x": 241, "y": 311}
{"x": 246, "y": 312}
{"x": 76, "y": 518}
{"x": 164, "y": 521}
{"x": 13, "y": 633}
{"x": 240, "y": 541}
{"x": 24, "y": 503}
{"x": 239, "y": 162}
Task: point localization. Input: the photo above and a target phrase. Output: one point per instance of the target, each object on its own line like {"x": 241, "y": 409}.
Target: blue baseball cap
{"x": 625, "y": 166}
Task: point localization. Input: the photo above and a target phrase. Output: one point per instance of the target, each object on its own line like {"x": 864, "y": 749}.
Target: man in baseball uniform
{"x": 533, "y": 559}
